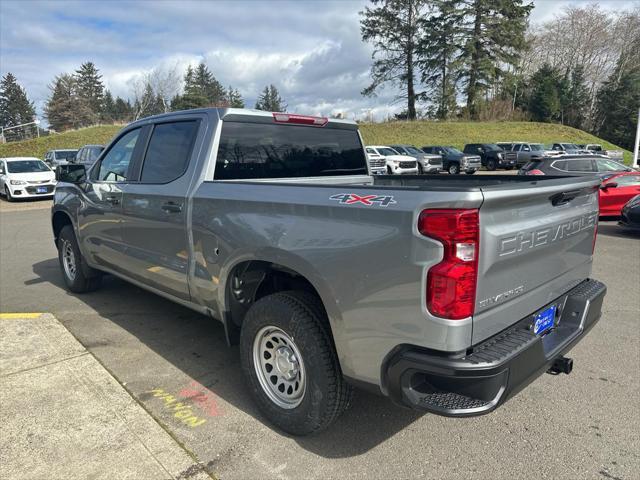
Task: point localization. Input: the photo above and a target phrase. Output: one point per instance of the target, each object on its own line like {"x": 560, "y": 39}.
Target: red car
{"x": 617, "y": 190}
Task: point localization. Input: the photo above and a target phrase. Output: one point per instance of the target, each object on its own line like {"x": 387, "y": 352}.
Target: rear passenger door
{"x": 155, "y": 207}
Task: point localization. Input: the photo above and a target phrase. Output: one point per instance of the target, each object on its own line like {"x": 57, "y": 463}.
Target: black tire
{"x": 491, "y": 164}
{"x": 389, "y": 172}
{"x": 7, "y": 194}
{"x": 420, "y": 169}
{"x": 470, "y": 172}
{"x": 510, "y": 168}
{"x": 326, "y": 394}
{"x": 453, "y": 169}
{"x": 85, "y": 278}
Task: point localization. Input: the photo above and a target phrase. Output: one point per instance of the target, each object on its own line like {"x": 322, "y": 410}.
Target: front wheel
{"x": 78, "y": 277}
{"x": 454, "y": 169}
{"x": 7, "y": 194}
{"x": 420, "y": 169}
{"x": 470, "y": 172}
{"x": 491, "y": 165}
{"x": 290, "y": 363}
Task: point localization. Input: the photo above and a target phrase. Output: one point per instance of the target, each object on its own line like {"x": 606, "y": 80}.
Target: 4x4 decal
{"x": 353, "y": 198}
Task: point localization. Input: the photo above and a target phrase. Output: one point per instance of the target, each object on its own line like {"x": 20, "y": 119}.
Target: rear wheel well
{"x": 250, "y": 281}
{"x": 58, "y": 222}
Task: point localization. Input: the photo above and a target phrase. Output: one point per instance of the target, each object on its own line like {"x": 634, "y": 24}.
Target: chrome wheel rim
{"x": 279, "y": 367}
{"x": 453, "y": 170}
{"x": 68, "y": 260}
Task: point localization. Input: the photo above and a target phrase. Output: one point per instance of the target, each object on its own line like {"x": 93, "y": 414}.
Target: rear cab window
{"x": 264, "y": 150}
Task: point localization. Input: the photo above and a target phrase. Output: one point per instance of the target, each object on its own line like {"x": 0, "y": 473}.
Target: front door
{"x": 100, "y": 215}
{"x": 155, "y": 208}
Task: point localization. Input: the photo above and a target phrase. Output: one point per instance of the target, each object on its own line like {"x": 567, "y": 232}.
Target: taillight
{"x": 451, "y": 284}
{"x": 300, "y": 119}
{"x": 535, "y": 171}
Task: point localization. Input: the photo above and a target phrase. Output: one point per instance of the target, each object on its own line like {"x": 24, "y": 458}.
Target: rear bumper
{"x": 478, "y": 382}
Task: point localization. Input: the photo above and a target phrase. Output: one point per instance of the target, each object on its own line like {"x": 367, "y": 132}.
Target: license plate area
{"x": 545, "y": 320}
{"x": 41, "y": 189}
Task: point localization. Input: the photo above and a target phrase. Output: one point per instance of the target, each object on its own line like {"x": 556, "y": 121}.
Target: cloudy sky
{"x": 310, "y": 49}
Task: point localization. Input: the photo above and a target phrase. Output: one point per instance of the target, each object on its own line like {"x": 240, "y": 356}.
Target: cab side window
{"x": 115, "y": 164}
{"x": 169, "y": 150}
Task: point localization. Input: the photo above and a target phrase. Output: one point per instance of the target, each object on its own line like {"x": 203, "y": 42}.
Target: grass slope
{"x": 37, "y": 147}
{"x": 457, "y": 134}
{"x": 416, "y": 133}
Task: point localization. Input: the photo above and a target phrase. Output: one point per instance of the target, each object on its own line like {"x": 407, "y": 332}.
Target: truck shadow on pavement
{"x": 196, "y": 345}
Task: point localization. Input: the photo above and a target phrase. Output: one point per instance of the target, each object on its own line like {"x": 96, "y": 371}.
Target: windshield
{"x": 414, "y": 150}
{"x": 387, "y": 151}
{"x": 94, "y": 153}
{"x": 491, "y": 146}
{"x": 27, "y": 166}
{"x": 66, "y": 154}
{"x": 570, "y": 146}
{"x": 452, "y": 150}
{"x": 536, "y": 147}
{"x": 260, "y": 150}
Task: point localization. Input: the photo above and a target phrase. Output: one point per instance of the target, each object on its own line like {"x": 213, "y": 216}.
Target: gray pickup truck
{"x": 446, "y": 294}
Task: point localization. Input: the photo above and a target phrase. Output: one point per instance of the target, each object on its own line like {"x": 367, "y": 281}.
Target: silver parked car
{"x": 427, "y": 162}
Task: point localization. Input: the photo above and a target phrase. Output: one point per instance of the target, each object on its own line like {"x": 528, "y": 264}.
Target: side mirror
{"x": 605, "y": 186}
{"x": 71, "y": 173}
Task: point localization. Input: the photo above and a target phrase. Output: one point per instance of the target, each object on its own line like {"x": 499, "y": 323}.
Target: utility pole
{"x": 635, "y": 150}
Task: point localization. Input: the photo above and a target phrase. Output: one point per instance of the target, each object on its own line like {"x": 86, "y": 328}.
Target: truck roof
{"x": 251, "y": 115}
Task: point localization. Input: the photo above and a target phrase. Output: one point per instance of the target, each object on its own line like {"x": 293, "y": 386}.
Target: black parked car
{"x": 572, "y": 165}
{"x": 491, "y": 155}
{"x": 88, "y": 154}
{"x": 630, "y": 217}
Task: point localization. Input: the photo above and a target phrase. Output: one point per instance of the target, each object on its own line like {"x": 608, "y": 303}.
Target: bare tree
{"x": 161, "y": 84}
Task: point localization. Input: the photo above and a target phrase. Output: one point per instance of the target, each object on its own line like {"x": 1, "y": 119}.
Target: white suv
{"x": 395, "y": 163}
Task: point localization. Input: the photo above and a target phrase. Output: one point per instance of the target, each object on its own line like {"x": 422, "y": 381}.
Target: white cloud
{"x": 311, "y": 50}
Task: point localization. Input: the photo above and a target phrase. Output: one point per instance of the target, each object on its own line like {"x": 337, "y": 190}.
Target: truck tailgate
{"x": 536, "y": 243}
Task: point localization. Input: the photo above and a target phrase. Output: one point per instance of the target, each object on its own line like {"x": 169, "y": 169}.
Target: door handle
{"x": 171, "y": 207}
{"x": 112, "y": 199}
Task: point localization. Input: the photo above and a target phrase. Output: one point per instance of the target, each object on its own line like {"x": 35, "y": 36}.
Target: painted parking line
{"x": 14, "y": 316}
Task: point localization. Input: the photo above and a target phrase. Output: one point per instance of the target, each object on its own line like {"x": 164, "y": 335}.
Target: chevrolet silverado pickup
{"x": 446, "y": 294}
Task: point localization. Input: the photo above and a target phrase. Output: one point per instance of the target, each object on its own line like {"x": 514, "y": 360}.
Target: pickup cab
{"x": 491, "y": 155}
{"x": 446, "y": 294}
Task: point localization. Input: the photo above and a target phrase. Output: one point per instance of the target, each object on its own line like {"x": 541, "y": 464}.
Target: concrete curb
{"x": 64, "y": 415}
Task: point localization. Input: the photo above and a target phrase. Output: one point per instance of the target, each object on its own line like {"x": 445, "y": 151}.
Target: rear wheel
{"x": 454, "y": 169}
{"x": 290, "y": 363}
{"x": 78, "y": 277}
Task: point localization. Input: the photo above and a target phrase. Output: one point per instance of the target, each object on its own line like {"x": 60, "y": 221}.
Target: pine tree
{"x": 438, "y": 54}
{"x": 617, "y": 105}
{"x": 108, "y": 108}
{"x": 65, "y": 109}
{"x": 201, "y": 89}
{"x": 90, "y": 87}
{"x": 494, "y": 32}
{"x": 122, "y": 111}
{"x": 544, "y": 102}
{"x": 576, "y": 99}
{"x": 234, "y": 99}
{"x": 394, "y": 29}
{"x": 270, "y": 100}
{"x": 15, "y": 107}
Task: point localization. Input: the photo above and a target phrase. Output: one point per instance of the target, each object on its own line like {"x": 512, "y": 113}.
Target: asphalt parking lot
{"x": 586, "y": 425}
